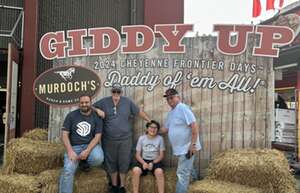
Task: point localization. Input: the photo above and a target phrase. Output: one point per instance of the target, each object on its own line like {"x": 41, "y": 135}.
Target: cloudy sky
{"x": 204, "y": 13}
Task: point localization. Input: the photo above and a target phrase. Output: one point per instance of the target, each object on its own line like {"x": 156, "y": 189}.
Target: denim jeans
{"x": 94, "y": 159}
{"x": 184, "y": 171}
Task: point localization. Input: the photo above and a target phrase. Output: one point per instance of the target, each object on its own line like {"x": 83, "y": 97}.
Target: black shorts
{"x": 155, "y": 166}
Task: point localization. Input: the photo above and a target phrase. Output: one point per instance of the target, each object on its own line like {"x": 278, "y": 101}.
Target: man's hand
{"x": 144, "y": 116}
{"x": 72, "y": 156}
{"x": 99, "y": 112}
{"x": 192, "y": 149}
{"x": 84, "y": 155}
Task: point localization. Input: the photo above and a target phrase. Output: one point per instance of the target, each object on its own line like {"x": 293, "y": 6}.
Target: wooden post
{"x": 29, "y": 65}
{"x": 298, "y": 114}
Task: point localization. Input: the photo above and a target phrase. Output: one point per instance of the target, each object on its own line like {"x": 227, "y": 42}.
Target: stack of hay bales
{"x": 94, "y": 181}
{"x": 251, "y": 171}
{"x": 25, "y": 158}
{"x": 148, "y": 182}
{"x": 32, "y": 163}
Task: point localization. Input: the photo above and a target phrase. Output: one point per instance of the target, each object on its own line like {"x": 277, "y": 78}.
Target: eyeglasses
{"x": 153, "y": 127}
{"x": 116, "y": 92}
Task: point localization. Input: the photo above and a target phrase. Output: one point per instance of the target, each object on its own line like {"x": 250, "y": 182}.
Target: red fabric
{"x": 281, "y": 3}
{"x": 256, "y": 8}
{"x": 270, "y": 4}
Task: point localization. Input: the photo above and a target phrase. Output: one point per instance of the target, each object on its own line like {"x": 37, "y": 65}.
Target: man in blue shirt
{"x": 81, "y": 134}
{"x": 184, "y": 138}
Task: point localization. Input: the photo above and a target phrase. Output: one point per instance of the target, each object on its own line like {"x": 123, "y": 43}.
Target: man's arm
{"x": 163, "y": 130}
{"x": 85, "y": 153}
{"x": 135, "y": 110}
{"x": 195, "y": 134}
{"x": 99, "y": 112}
{"x": 144, "y": 116}
{"x": 97, "y": 107}
{"x": 66, "y": 141}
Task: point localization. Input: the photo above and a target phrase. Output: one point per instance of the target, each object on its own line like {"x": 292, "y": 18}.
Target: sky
{"x": 204, "y": 13}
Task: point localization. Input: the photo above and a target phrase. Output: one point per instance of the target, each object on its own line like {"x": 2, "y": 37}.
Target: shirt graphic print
{"x": 83, "y": 128}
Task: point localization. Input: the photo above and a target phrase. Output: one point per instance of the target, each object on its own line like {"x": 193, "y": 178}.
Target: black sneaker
{"x": 122, "y": 190}
{"x": 113, "y": 189}
{"x": 84, "y": 166}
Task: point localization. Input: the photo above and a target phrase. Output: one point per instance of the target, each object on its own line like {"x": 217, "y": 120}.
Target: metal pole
{"x": 16, "y": 41}
{"x": 298, "y": 114}
{"x": 133, "y": 12}
{"x": 16, "y": 24}
{"x": 22, "y": 30}
{"x": 7, "y": 106}
{"x": 11, "y": 7}
{"x": 5, "y": 35}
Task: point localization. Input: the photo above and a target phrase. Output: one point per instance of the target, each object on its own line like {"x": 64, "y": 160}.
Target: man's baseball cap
{"x": 170, "y": 92}
{"x": 116, "y": 86}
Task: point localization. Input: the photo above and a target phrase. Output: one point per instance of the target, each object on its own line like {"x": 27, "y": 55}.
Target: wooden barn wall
{"x": 227, "y": 120}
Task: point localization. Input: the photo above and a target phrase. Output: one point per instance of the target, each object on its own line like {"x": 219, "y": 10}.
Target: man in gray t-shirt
{"x": 117, "y": 112}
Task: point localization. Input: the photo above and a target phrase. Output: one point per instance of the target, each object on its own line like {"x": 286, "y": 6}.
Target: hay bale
{"x": 50, "y": 188}
{"x": 148, "y": 182}
{"x": 214, "y": 186}
{"x": 26, "y": 156}
{"x": 37, "y": 134}
{"x": 94, "y": 181}
{"x": 254, "y": 168}
{"x": 49, "y": 177}
{"x": 49, "y": 180}
{"x": 18, "y": 183}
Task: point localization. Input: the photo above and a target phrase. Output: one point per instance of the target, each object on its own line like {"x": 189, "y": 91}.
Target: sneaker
{"x": 84, "y": 166}
{"x": 122, "y": 190}
{"x": 113, "y": 189}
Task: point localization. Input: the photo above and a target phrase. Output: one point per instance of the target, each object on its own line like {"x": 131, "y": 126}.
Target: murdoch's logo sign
{"x": 64, "y": 85}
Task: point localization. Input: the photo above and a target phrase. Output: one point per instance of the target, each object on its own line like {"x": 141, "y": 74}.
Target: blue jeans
{"x": 184, "y": 171}
{"x": 94, "y": 159}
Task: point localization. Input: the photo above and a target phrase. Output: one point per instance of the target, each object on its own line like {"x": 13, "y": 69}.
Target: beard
{"x": 85, "y": 109}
